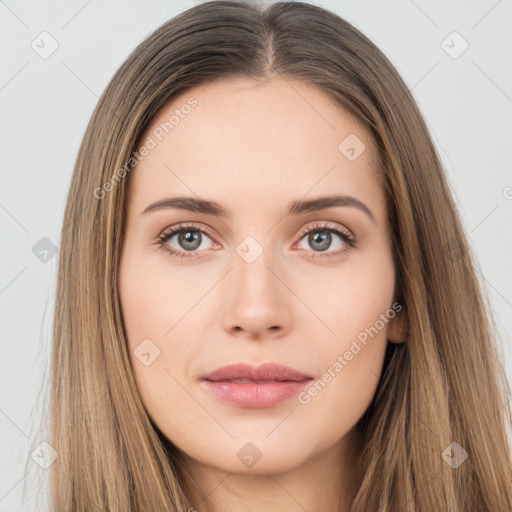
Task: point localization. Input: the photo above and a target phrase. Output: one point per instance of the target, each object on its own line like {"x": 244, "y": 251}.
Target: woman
{"x": 207, "y": 355}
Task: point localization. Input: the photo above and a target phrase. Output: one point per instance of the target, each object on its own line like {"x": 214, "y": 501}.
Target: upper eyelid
{"x": 318, "y": 225}
{"x": 182, "y": 226}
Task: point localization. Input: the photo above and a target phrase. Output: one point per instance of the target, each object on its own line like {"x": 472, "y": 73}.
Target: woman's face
{"x": 269, "y": 281}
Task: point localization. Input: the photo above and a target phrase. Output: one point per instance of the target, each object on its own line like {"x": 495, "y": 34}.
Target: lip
{"x": 255, "y": 387}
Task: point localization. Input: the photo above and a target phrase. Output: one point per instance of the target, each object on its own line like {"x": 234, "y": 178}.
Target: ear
{"x": 398, "y": 327}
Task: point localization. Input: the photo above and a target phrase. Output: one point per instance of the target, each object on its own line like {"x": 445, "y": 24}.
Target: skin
{"x": 255, "y": 147}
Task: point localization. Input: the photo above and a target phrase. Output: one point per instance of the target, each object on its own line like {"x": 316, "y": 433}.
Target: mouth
{"x": 255, "y": 387}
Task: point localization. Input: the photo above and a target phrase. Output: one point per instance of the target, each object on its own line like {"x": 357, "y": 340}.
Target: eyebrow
{"x": 296, "y": 207}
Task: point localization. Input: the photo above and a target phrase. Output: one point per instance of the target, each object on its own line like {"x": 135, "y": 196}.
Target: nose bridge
{"x": 255, "y": 283}
{"x": 253, "y": 277}
{"x": 258, "y": 300}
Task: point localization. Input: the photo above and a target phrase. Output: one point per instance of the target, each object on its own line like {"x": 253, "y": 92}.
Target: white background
{"x": 46, "y": 104}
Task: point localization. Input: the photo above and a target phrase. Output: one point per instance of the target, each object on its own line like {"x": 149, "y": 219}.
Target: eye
{"x": 189, "y": 237}
{"x": 320, "y": 238}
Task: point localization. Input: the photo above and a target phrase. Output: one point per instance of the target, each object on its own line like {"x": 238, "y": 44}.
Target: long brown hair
{"x": 445, "y": 384}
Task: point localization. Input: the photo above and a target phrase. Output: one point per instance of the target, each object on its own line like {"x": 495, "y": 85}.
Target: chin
{"x": 257, "y": 455}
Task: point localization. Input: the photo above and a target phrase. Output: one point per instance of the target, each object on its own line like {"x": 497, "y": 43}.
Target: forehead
{"x": 241, "y": 141}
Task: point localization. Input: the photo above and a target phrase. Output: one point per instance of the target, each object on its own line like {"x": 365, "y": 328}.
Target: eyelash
{"x": 347, "y": 238}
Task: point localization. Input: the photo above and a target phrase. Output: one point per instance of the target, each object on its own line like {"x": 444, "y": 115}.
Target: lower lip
{"x": 256, "y": 396}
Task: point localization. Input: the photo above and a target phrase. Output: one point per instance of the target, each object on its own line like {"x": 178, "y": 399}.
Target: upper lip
{"x": 264, "y": 372}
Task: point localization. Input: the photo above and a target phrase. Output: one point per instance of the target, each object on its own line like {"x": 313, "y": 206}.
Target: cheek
{"x": 353, "y": 303}
{"x": 352, "y": 351}
{"x": 154, "y": 308}
{"x": 152, "y": 303}
{"x": 351, "y": 367}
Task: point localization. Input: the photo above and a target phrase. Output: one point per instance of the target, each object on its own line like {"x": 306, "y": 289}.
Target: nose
{"x": 258, "y": 301}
